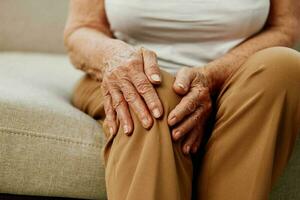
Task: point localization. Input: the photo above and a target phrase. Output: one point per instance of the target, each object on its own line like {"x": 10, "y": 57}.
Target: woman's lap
{"x": 147, "y": 154}
{"x": 255, "y": 127}
{"x": 253, "y": 111}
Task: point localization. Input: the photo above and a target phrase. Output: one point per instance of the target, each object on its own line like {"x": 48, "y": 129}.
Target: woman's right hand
{"x": 128, "y": 76}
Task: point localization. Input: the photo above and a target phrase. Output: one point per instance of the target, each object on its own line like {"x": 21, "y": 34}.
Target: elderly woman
{"x": 233, "y": 97}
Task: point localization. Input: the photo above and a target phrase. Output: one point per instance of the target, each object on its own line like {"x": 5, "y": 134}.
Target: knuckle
{"x": 123, "y": 84}
{"x": 198, "y": 93}
{"x": 197, "y": 117}
{"x": 130, "y": 96}
{"x": 108, "y": 121}
{"x": 120, "y": 73}
{"x": 111, "y": 75}
{"x": 117, "y": 103}
{"x": 143, "y": 86}
{"x": 191, "y": 106}
{"x": 132, "y": 62}
{"x": 109, "y": 118}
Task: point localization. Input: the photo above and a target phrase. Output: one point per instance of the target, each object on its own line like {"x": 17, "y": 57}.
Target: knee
{"x": 279, "y": 61}
{"x": 87, "y": 95}
{"x": 168, "y": 98}
{"x": 275, "y": 66}
{"x": 166, "y": 93}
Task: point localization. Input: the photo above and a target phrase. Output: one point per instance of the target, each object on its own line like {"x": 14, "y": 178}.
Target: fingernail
{"x": 126, "y": 129}
{"x": 155, "y": 77}
{"x": 195, "y": 149}
{"x": 156, "y": 113}
{"x": 176, "y": 134}
{"x": 172, "y": 120}
{"x": 187, "y": 149}
{"x": 145, "y": 121}
{"x": 181, "y": 86}
{"x": 111, "y": 130}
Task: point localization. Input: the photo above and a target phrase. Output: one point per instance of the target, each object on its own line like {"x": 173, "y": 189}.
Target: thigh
{"x": 88, "y": 97}
{"x": 256, "y": 123}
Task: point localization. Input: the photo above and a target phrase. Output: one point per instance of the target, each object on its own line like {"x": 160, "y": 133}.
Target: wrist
{"x": 218, "y": 71}
{"x": 212, "y": 78}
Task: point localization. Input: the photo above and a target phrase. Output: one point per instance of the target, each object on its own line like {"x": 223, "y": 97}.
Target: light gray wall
{"x": 32, "y": 25}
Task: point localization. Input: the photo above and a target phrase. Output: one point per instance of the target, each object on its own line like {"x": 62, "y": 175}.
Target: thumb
{"x": 151, "y": 68}
{"x": 184, "y": 78}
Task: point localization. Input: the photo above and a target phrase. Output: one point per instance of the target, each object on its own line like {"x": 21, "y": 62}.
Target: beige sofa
{"x": 48, "y": 147}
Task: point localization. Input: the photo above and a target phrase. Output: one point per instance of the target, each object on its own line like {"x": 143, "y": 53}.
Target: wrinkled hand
{"x": 127, "y": 81}
{"x": 189, "y": 116}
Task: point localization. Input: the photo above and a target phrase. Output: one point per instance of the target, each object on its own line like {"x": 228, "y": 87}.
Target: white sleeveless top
{"x": 186, "y": 32}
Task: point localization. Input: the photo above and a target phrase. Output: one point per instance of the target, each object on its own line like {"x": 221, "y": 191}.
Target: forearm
{"x": 87, "y": 36}
{"x": 220, "y": 69}
{"x": 88, "y": 49}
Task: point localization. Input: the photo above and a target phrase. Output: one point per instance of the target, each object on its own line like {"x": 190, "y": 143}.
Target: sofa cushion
{"x": 47, "y": 147}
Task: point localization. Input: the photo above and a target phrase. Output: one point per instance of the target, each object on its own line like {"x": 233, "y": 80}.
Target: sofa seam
{"x": 36, "y": 135}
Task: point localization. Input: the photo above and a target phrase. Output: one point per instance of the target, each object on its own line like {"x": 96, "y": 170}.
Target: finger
{"x": 146, "y": 90}
{"x": 188, "y": 105}
{"x": 198, "y": 141}
{"x": 121, "y": 107}
{"x": 136, "y": 103}
{"x": 110, "y": 115}
{"x": 183, "y": 80}
{"x": 190, "y": 140}
{"x": 188, "y": 124}
{"x": 151, "y": 68}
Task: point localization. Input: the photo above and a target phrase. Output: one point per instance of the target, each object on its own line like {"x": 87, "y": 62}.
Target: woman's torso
{"x": 186, "y": 33}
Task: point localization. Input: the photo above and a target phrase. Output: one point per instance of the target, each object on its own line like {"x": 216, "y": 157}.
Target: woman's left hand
{"x": 189, "y": 117}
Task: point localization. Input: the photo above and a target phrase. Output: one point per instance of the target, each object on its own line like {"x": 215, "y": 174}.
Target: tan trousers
{"x": 251, "y": 137}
